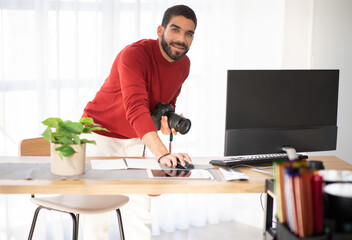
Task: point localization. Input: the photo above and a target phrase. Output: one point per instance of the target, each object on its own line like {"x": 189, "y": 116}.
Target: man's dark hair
{"x": 179, "y": 10}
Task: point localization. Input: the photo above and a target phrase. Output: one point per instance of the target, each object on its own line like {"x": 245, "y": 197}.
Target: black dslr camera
{"x": 179, "y": 123}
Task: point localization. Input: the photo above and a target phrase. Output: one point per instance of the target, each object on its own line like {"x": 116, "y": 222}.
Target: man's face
{"x": 176, "y": 38}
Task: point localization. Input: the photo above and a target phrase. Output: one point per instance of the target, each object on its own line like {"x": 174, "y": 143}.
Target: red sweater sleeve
{"x": 134, "y": 92}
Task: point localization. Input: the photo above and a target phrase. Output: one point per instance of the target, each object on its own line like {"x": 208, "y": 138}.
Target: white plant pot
{"x": 68, "y": 166}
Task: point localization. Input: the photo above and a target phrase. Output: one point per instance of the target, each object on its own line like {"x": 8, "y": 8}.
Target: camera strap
{"x": 143, "y": 151}
{"x": 171, "y": 138}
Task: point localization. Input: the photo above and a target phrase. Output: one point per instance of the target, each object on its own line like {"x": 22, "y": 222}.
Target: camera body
{"x": 179, "y": 123}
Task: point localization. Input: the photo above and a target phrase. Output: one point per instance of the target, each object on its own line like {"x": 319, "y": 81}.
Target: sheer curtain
{"x": 55, "y": 54}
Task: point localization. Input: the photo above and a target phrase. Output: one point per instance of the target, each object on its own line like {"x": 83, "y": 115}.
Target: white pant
{"x": 136, "y": 216}
{"x": 113, "y": 147}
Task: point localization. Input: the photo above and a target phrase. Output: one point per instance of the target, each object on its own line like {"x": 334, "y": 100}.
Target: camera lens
{"x": 184, "y": 125}
{"x": 180, "y": 124}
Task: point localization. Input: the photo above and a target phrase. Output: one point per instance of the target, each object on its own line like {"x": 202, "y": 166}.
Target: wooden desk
{"x": 256, "y": 183}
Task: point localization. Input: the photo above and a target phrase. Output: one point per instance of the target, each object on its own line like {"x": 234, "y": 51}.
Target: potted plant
{"x": 68, "y": 150}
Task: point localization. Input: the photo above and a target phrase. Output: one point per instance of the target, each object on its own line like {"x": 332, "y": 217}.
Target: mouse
{"x": 187, "y": 166}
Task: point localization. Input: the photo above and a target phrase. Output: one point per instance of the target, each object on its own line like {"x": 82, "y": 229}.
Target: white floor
{"x": 223, "y": 231}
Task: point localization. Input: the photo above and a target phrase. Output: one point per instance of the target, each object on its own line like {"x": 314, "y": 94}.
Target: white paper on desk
{"x": 109, "y": 164}
{"x": 142, "y": 163}
{"x": 233, "y": 174}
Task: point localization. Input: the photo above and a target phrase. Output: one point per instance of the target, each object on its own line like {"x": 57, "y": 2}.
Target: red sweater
{"x": 139, "y": 79}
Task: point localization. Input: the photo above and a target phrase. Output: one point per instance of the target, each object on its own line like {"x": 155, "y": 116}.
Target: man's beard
{"x": 178, "y": 55}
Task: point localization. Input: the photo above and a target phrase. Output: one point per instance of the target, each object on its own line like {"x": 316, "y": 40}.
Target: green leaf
{"x": 60, "y": 155}
{"x": 94, "y": 125}
{"x": 87, "y": 130}
{"x": 66, "y": 150}
{"x": 52, "y": 122}
{"x": 66, "y": 140}
{"x": 73, "y": 127}
{"x": 99, "y": 128}
{"x": 76, "y": 139}
{"x": 47, "y": 134}
{"x": 86, "y": 121}
{"x": 56, "y": 137}
{"x": 88, "y": 141}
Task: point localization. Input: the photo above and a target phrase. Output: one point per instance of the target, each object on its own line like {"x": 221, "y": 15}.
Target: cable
{"x": 261, "y": 204}
{"x": 257, "y": 169}
{"x": 261, "y": 201}
{"x": 241, "y": 165}
{"x": 261, "y": 194}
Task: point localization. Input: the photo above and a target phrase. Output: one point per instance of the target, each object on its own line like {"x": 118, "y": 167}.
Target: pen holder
{"x": 338, "y": 210}
{"x": 284, "y": 234}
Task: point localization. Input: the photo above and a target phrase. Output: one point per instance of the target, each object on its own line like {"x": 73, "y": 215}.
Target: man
{"x": 144, "y": 74}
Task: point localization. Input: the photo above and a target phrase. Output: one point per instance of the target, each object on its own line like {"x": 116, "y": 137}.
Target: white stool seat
{"x": 82, "y": 204}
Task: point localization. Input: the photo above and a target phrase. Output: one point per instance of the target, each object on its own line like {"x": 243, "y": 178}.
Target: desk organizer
{"x": 284, "y": 234}
{"x": 334, "y": 234}
{"x": 341, "y": 236}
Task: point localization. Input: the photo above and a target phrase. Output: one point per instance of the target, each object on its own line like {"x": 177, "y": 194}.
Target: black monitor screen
{"x": 269, "y": 109}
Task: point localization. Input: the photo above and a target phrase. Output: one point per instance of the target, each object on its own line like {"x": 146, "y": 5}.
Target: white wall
{"x": 297, "y": 34}
{"x": 318, "y": 35}
{"x": 331, "y": 48}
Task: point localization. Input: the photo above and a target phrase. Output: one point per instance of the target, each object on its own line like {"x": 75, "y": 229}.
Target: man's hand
{"x": 157, "y": 147}
{"x": 164, "y": 127}
{"x": 171, "y": 159}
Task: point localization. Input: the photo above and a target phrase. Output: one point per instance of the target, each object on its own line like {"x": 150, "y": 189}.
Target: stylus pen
{"x": 124, "y": 160}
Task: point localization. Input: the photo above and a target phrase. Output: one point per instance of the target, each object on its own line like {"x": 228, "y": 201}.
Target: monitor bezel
{"x": 309, "y": 138}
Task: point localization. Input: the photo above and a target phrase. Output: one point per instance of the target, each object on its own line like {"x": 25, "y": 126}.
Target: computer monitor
{"x": 267, "y": 110}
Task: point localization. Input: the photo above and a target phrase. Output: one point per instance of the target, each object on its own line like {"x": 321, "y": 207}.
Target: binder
{"x": 279, "y": 169}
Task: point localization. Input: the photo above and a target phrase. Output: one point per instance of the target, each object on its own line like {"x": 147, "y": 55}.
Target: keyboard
{"x": 252, "y": 159}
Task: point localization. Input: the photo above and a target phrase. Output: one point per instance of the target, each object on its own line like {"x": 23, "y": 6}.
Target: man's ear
{"x": 160, "y": 31}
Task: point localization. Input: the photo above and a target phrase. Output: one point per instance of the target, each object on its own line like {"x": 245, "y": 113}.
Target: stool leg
{"x": 75, "y": 221}
{"x": 34, "y": 221}
{"x": 119, "y": 221}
